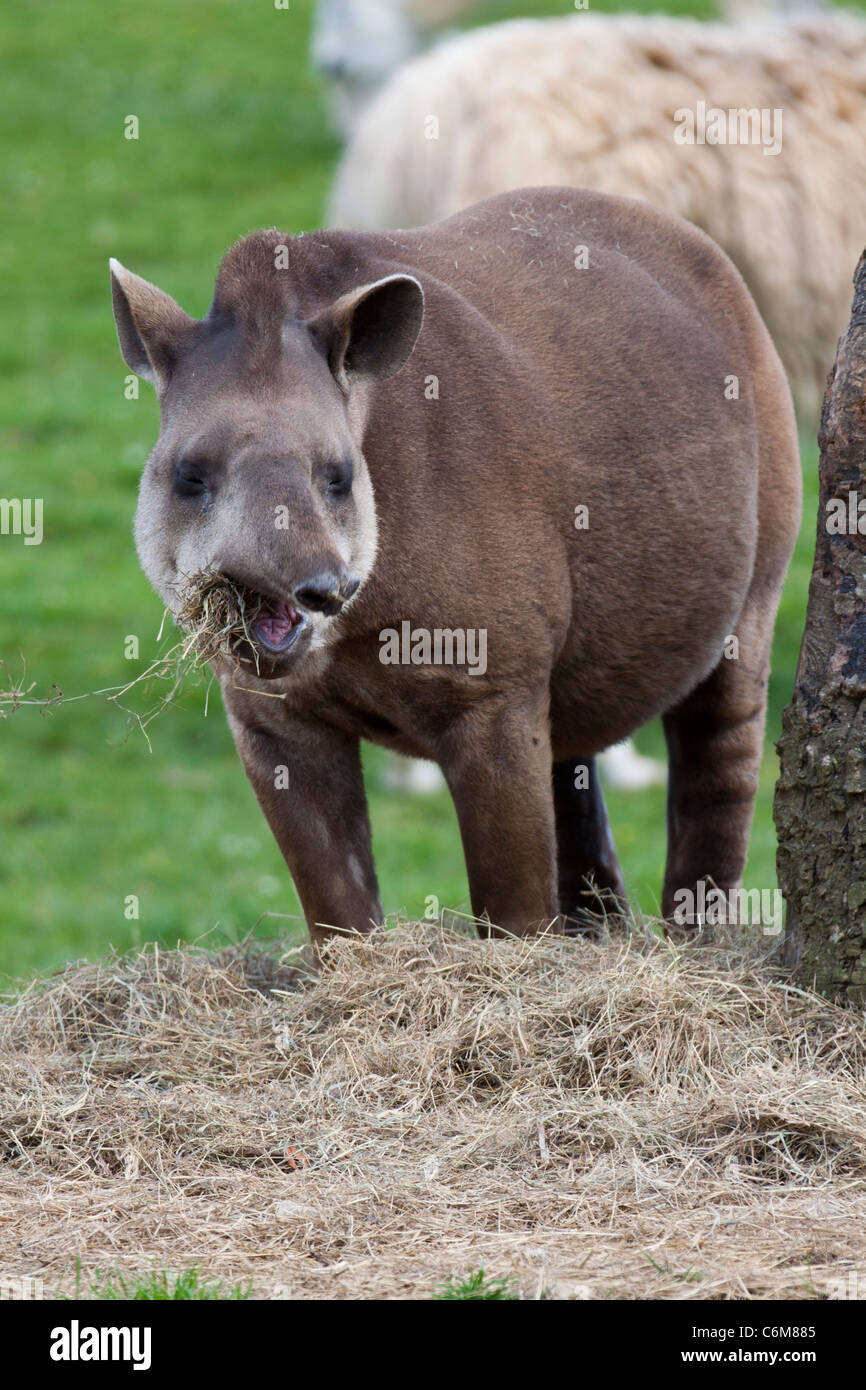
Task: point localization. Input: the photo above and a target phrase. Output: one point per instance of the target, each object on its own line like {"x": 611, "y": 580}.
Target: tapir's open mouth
{"x": 277, "y": 625}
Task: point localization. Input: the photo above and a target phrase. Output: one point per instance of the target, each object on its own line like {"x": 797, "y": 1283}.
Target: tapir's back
{"x": 574, "y": 242}
{"x": 548, "y": 302}
{"x": 586, "y": 292}
{"x": 595, "y": 407}
{"x": 554, "y": 266}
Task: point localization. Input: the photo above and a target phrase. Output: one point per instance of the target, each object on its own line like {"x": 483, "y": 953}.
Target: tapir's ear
{"x": 371, "y": 331}
{"x": 151, "y": 327}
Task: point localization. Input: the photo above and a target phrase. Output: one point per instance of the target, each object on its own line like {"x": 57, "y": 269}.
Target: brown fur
{"x": 558, "y": 387}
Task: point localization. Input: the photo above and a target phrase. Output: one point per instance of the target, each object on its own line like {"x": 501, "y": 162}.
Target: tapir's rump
{"x": 555, "y": 419}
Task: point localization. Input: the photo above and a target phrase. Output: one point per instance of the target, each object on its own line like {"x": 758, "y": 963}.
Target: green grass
{"x": 160, "y": 1286}
{"x": 475, "y": 1286}
{"x": 233, "y": 136}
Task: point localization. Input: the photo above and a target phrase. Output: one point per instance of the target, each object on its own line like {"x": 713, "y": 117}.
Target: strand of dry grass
{"x": 631, "y": 1119}
{"x": 216, "y": 615}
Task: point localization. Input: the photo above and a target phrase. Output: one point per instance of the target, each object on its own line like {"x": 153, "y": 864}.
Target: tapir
{"x": 552, "y": 428}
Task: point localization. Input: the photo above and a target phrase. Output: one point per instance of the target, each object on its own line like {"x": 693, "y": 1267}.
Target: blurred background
{"x": 234, "y": 133}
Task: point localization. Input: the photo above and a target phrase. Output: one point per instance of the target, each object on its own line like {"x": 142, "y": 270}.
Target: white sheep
{"x": 358, "y": 44}
{"x": 592, "y": 99}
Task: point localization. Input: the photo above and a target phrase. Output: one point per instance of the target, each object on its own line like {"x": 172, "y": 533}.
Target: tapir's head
{"x": 258, "y": 471}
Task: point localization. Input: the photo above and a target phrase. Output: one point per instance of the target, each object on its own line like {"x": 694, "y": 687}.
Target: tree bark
{"x": 820, "y": 805}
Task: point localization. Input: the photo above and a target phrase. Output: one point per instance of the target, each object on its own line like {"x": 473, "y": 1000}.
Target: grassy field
{"x": 232, "y": 136}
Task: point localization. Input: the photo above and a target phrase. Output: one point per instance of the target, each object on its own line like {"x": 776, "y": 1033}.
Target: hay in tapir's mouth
{"x": 220, "y": 615}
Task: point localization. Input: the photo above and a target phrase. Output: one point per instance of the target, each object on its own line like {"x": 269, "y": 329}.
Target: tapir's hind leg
{"x": 590, "y": 881}
{"x": 715, "y": 740}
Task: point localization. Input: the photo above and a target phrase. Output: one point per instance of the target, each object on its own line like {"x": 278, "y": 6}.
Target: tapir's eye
{"x": 340, "y": 479}
{"x": 189, "y": 479}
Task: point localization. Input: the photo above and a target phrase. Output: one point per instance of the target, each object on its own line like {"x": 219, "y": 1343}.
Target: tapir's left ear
{"x": 371, "y": 331}
{"x": 151, "y": 326}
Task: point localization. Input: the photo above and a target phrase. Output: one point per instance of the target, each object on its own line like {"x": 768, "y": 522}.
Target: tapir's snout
{"x": 327, "y": 589}
{"x": 290, "y": 611}
{"x": 326, "y": 592}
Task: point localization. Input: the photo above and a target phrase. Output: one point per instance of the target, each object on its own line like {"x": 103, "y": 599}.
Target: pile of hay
{"x": 606, "y": 1120}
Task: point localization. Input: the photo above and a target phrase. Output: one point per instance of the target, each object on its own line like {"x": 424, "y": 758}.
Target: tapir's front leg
{"x": 309, "y": 784}
{"x": 497, "y": 760}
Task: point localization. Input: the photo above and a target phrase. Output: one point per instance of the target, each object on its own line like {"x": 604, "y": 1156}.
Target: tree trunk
{"x": 820, "y": 806}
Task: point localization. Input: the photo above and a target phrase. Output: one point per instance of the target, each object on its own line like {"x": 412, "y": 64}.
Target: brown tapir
{"x": 552, "y": 428}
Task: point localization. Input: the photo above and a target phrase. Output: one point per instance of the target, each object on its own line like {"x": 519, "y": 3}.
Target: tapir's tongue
{"x": 275, "y": 622}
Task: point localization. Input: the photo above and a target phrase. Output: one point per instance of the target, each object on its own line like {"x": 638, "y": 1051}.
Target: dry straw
{"x": 218, "y": 614}
{"x": 595, "y": 1120}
